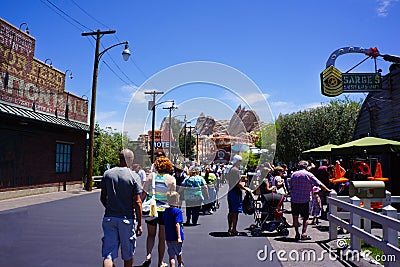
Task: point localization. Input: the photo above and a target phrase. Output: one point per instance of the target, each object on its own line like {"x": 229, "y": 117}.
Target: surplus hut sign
{"x": 334, "y": 82}
{"x": 361, "y": 82}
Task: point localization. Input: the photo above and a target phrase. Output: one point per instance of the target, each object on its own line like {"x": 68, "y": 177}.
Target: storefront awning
{"x": 23, "y": 113}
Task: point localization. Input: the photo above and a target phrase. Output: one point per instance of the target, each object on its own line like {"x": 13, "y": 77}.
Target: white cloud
{"x": 251, "y": 99}
{"x": 383, "y": 7}
{"x": 115, "y": 125}
{"x": 129, "y": 88}
{"x": 105, "y": 115}
{"x": 281, "y": 107}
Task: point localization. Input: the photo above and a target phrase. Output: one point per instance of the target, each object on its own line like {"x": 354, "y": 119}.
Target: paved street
{"x": 64, "y": 229}
{"x": 68, "y": 232}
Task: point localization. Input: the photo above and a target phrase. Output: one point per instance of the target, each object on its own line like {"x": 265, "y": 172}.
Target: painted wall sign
{"x": 32, "y": 83}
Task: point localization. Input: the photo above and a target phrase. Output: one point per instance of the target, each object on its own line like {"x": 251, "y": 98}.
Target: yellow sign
{"x": 331, "y": 81}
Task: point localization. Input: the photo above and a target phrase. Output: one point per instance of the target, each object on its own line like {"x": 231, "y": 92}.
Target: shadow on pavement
{"x": 226, "y": 234}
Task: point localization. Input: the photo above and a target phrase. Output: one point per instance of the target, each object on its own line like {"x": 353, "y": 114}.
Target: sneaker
{"x": 146, "y": 263}
{"x": 163, "y": 264}
{"x": 181, "y": 265}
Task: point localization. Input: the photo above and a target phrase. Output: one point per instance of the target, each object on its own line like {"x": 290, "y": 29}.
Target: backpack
{"x": 248, "y": 204}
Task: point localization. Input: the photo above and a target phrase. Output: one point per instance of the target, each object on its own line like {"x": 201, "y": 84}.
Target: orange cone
{"x": 378, "y": 171}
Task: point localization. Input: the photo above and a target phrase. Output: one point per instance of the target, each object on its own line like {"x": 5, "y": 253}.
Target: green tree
{"x": 107, "y": 145}
{"x": 249, "y": 158}
{"x": 333, "y": 123}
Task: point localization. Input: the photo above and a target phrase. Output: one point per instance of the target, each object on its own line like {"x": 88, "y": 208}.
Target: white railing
{"x": 354, "y": 213}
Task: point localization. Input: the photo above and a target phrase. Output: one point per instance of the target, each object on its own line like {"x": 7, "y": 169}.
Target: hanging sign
{"x": 334, "y": 82}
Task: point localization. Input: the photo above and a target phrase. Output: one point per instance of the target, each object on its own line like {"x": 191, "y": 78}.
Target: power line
{"x": 65, "y": 16}
{"x": 55, "y": 11}
{"x": 119, "y": 77}
{"x": 59, "y": 9}
{"x": 123, "y": 73}
{"x": 84, "y": 11}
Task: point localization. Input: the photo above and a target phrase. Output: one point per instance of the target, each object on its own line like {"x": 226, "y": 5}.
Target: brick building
{"x": 43, "y": 128}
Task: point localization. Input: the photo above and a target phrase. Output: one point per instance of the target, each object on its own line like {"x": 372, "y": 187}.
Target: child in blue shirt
{"x": 174, "y": 236}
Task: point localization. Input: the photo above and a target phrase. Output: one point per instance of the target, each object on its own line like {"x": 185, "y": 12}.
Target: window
{"x": 63, "y": 158}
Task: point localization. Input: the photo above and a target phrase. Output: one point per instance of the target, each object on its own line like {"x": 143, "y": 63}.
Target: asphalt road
{"x": 67, "y": 232}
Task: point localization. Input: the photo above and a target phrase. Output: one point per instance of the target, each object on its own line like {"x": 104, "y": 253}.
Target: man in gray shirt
{"x": 120, "y": 195}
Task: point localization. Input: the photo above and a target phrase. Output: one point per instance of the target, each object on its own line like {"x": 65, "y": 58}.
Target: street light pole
{"x": 97, "y": 55}
{"x": 153, "y": 121}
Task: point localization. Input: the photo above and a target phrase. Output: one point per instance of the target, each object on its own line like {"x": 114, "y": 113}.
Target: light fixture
{"x": 26, "y": 29}
{"x": 51, "y": 62}
{"x": 126, "y": 53}
{"x": 70, "y": 73}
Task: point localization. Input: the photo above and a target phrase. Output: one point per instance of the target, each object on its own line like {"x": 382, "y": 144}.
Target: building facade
{"x": 379, "y": 117}
{"x": 43, "y": 127}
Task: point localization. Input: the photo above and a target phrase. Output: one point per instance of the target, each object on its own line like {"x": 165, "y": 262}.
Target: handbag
{"x": 149, "y": 207}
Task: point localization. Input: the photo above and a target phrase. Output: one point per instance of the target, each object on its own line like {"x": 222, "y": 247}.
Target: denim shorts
{"x": 174, "y": 248}
{"x": 118, "y": 232}
{"x": 235, "y": 202}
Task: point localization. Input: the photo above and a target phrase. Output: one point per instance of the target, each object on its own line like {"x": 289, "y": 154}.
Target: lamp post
{"x": 97, "y": 55}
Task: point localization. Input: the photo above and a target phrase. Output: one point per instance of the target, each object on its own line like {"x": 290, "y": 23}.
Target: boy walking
{"x": 174, "y": 236}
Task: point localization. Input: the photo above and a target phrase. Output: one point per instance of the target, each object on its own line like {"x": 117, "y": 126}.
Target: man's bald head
{"x": 126, "y": 157}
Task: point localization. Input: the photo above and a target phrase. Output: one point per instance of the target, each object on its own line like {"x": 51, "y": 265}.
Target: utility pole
{"x": 98, "y": 34}
{"x": 171, "y": 108}
{"x": 152, "y": 104}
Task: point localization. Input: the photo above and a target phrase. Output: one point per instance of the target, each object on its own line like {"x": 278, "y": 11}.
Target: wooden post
{"x": 388, "y": 199}
{"x": 355, "y": 242}
{"x": 390, "y": 235}
{"x": 332, "y": 211}
{"x": 367, "y": 222}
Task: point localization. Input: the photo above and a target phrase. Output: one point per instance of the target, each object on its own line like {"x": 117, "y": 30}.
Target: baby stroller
{"x": 268, "y": 214}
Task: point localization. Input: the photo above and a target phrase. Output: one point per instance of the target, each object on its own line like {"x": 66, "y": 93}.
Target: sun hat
{"x": 194, "y": 169}
{"x": 236, "y": 158}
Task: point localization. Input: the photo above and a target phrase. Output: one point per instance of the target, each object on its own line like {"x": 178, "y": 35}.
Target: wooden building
{"x": 43, "y": 128}
{"x": 380, "y": 117}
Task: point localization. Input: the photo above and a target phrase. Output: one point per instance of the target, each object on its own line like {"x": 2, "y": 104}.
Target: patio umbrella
{"x": 367, "y": 144}
{"x": 321, "y": 150}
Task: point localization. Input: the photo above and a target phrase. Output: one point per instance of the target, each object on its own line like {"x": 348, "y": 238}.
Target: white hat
{"x": 236, "y": 158}
{"x": 194, "y": 169}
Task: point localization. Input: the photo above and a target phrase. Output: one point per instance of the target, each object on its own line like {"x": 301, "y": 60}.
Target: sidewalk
{"x": 47, "y": 229}
{"x": 18, "y": 202}
{"x": 315, "y": 251}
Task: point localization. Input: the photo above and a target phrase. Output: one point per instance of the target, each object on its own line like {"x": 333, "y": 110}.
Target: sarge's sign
{"x": 334, "y": 82}
{"x": 361, "y": 82}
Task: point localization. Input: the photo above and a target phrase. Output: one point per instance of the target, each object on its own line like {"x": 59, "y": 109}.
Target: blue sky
{"x": 282, "y": 46}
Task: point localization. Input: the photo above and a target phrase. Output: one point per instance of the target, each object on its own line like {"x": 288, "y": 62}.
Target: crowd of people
{"x": 126, "y": 187}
